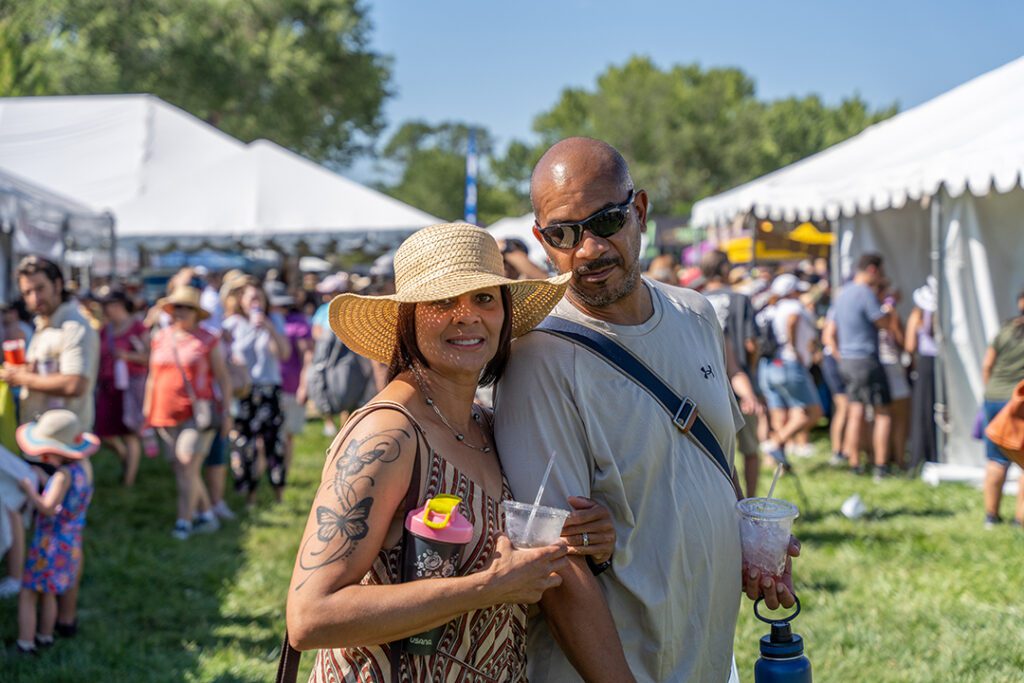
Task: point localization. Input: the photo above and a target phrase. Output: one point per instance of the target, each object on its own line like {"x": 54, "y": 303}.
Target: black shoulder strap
{"x": 682, "y": 410}
{"x": 288, "y": 665}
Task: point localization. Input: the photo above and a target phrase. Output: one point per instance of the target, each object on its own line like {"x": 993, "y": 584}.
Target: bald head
{"x": 576, "y": 162}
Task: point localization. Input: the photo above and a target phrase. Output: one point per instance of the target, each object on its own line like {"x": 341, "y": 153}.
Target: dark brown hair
{"x": 713, "y": 263}
{"x": 868, "y": 260}
{"x": 407, "y": 349}
{"x": 33, "y": 264}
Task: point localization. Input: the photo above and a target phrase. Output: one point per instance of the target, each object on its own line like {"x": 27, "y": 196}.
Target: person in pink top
{"x": 120, "y": 386}
{"x": 183, "y": 366}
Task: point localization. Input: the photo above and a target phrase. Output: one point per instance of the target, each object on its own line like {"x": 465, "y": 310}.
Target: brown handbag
{"x": 1006, "y": 430}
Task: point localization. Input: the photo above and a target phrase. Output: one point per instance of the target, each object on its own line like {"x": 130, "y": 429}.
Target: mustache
{"x": 597, "y": 264}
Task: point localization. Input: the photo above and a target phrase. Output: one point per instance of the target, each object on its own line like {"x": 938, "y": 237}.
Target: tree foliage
{"x": 690, "y": 132}
{"x": 297, "y": 71}
{"x": 431, "y": 160}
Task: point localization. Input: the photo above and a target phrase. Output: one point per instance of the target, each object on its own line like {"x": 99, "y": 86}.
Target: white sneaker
{"x": 205, "y": 523}
{"x": 804, "y": 450}
{"x": 9, "y": 587}
{"x": 330, "y": 430}
{"x": 182, "y": 530}
{"x": 222, "y": 510}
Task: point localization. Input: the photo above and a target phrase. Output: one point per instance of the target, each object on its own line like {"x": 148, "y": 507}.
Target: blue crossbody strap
{"x": 683, "y": 411}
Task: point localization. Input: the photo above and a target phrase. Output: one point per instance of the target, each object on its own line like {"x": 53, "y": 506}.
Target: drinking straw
{"x": 775, "y": 479}
{"x": 540, "y": 492}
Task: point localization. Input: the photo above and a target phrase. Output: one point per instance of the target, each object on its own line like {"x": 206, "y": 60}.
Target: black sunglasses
{"x": 604, "y": 223}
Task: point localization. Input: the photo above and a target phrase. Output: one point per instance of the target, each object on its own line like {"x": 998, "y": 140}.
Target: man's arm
{"x": 583, "y": 626}
{"x": 67, "y": 386}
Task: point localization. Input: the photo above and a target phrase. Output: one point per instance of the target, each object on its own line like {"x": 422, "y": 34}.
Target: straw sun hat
{"x": 439, "y": 262}
{"x": 57, "y": 432}
{"x": 184, "y": 296}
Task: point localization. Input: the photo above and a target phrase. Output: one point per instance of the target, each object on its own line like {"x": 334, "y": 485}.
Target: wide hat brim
{"x": 34, "y": 444}
{"x": 369, "y": 324}
{"x": 167, "y": 305}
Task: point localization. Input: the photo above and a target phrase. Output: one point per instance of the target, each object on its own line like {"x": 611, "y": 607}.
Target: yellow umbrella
{"x": 808, "y": 233}
{"x": 739, "y": 250}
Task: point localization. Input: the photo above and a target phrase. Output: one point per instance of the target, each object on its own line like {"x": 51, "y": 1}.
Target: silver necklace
{"x": 459, "y": 436}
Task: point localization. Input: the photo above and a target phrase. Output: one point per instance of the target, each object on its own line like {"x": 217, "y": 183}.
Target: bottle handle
{"x": 786, "y": 620}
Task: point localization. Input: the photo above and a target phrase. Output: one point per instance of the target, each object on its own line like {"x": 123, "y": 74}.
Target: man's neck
{"x": 714, "y": 285}
{"x": 861, "y": 279}
{"x": 635, "y": 308}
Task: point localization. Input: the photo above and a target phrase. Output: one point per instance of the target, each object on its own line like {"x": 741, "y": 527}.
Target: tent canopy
{"x": 104, "y": 150}
{"x": 521, "y": 228}
{"x": 970, "y": 138}
{"x": 263, "y": 191}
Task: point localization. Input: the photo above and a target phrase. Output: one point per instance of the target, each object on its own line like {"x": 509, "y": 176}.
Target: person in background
{"x": 299, "y": 334}
{"x": 792, "y": 398}
{"x": 120, "y": 386}
{"x": 663, "y": 268}
{"x": 836, "y": 387}
{"x": 55, "y": 556}
{"x": 736, "y": 316}
{"x": 518, "y": 265}
{"x": 60, "y": 371}
{"x": 1002, "y": 370}
{"x": 210, "y": 298}
{"x": 331, "y": 286}
{"x": 921, "y": 344}
{"x": 890, "y": 352}
{"x": 260, "y": 345}
{"x": 858, "y": 317}
{"x": 185, "y": 366}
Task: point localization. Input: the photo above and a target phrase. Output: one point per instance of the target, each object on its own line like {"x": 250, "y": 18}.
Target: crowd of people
{"x": 215, "y": 375}
{"x": 219, "y": 373}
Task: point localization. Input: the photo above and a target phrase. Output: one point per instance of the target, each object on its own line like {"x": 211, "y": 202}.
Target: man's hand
{"x": 776, "y": 590}
{"x": 15, "y": 375}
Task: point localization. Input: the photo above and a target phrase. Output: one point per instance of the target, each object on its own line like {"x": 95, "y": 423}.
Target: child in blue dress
{"x": 57, "y": 440}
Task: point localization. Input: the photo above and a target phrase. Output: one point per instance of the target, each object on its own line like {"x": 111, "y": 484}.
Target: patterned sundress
{"x": 56, "y": 550}
{"x": 483, "y": 646}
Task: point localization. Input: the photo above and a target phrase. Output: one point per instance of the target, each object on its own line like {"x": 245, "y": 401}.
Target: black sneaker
{"x": 837, "y": 460}
{"x": 66, "y": 630}
{"x": 991, "y": 521}
{"x": 859, "y": 470}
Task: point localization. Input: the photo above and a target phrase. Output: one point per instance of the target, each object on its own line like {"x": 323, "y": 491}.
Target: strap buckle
{"x": 685, "y": 416}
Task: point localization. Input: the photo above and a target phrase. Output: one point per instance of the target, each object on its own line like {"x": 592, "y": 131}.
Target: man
{"x": 62, "y": 361}
{"x": 793, "y": 402}
{"x": 858, "y": 318}
{"x": 736, "y": 316}
{"x": 666, "y": 608}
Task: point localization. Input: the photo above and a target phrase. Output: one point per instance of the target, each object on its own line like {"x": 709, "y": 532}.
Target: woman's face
{"x": 184, "y": 317}
{"x": 251, "y": 298}
{"x": 460, "y": 335}
{"x": 115, "y": 312}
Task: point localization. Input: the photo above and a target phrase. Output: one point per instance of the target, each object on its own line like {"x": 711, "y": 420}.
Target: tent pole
{"x": 938, "y": 266}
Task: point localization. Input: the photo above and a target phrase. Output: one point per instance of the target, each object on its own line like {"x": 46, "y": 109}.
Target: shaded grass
{"x": 914, "y": 592}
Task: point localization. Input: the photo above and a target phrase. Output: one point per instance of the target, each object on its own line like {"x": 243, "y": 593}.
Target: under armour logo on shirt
{"x": 708, "y": 371}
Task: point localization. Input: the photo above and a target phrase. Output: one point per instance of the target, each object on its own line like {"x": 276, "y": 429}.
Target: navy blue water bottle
{"x": 782, "y": 653}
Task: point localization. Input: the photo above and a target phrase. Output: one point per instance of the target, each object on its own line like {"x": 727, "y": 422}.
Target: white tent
{"x": 521, "y": 228}
{"x": 259, "y": 192}
{"x": 34, "y": 220}
{"x": 104, "y": 150}
{"x": 937, "y": 189}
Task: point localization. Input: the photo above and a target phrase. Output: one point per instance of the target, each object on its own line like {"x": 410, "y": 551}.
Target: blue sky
{"x": 498, "y": 63}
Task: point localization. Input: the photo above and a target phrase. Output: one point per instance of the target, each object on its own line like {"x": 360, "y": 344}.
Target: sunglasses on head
{"x": 604, "y": 223}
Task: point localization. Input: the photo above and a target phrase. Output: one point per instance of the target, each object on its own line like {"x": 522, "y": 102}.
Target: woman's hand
{"x": 520, "y": 576}
{"x": 594, "y": 520}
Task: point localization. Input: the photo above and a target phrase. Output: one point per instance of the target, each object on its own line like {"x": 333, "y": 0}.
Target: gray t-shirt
{"x": 250, "y": 348}
{"x": 674, "y": 587}
{"x": 736, "y": 316}
{"x": 856, "y": 310}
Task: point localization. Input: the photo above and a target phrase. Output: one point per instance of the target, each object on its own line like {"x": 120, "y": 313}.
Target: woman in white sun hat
{"x": 55, "y": 439}
{"x": 446, "y": 330}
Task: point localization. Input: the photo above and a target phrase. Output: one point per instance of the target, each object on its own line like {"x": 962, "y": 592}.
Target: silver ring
{"x": 586, "y": 539}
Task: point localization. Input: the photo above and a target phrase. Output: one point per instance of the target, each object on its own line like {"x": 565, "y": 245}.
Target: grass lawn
{"x": 914, "y": 592}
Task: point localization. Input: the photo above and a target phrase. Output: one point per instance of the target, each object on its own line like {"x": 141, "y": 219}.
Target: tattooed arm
{"x": 364, "y": 482}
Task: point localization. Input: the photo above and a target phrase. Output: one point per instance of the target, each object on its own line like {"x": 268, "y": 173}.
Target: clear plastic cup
{"x": 545, "y": 528}
{"x": 765, "y": 525}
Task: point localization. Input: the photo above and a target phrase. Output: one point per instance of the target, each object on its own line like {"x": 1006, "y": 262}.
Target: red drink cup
{"x": 14, "y": 352}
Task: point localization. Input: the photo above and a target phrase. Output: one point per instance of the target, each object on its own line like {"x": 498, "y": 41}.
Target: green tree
{"x": 689, "y": 132}
{"x": 297, "y": 71}
{"x": 430, "y": 161}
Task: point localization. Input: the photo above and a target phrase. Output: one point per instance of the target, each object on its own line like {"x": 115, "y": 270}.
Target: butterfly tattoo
{"x": 340, "y": 528}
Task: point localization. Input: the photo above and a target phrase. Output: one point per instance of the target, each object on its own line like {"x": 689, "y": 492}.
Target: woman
{"x": 890, "y": 346}
{"x": 1001, "y": 371}
{"x": 258, "y": 343}
{"x": 184, "y": 366}
{"x": 446, "y": 330}
{"x": 120, "y": 384}
{"x": 298, "y": 332}
{"x": 920, "y": 343}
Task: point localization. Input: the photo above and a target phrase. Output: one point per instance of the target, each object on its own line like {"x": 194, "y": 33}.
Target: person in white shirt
{"x": 785, "y": 379}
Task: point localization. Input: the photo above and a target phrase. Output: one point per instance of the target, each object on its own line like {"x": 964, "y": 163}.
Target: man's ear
{"x": 640, "y": 203}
